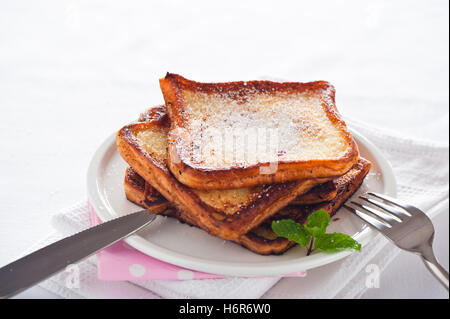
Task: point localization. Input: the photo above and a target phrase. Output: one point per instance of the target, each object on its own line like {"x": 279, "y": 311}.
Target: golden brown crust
{"x": 261, "y": 239}
{"x": 197, "y": 177}
{"x": 346, "y": 185}
{"x": 321, "y": 193}
{"x": 272, "y": 198}
{"x": 141, "y": 193}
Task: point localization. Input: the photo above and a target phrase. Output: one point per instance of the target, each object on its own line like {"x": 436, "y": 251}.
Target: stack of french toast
{"x": 230, "y": 158}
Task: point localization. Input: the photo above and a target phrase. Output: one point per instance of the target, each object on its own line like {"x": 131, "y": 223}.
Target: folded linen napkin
{"x": 421, "y": 169}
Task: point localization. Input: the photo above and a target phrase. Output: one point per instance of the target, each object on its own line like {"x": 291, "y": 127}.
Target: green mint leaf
{"x": 291, "y": 230}
{"x": 317, "y": 222}
{"x": 336, "y": 242}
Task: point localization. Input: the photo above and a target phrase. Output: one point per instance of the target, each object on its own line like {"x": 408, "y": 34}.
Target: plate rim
{"x": 222, "y": 267}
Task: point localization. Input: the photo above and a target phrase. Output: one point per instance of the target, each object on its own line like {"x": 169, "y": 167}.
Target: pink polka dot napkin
{"x": 122, "y": 262}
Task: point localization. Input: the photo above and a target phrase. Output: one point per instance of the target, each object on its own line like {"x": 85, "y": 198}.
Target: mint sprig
{"x": 313, "y": 233}
{"x": 336, "y": 242}
{"x": 292, "y": 231}
{"x": 317, "y": 223}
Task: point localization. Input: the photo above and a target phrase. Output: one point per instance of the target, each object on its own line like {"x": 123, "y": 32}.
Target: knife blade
{"x": 45, "y": 262}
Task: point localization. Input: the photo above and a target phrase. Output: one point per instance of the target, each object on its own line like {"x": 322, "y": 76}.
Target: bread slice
{"x": 262, "y": 239}
{"x": 242, "y": 134}
{"x": 224, "y": 213}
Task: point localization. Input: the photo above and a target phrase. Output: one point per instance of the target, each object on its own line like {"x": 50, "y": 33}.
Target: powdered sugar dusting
{"x": 243, "y": 130}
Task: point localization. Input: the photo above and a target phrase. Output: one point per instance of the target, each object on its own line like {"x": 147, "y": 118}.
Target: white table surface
{"x": 72, "y": 72}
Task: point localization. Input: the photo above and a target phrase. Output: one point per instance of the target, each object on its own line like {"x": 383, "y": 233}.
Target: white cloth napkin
{"x": 422, "y": 171}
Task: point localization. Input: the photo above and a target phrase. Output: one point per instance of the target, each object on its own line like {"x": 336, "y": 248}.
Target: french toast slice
{"x": 242, "y": 134}
{"x": 224, "y": 213}
{"x": 261, "y": 239}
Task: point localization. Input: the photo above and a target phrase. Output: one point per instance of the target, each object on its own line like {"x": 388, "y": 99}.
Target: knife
{"x": 45, "y": 262}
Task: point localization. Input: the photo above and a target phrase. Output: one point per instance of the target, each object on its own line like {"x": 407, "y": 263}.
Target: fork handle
{"x": 433, "y": 265}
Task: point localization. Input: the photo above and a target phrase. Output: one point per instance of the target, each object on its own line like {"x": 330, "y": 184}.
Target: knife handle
{"x": 43, "y": 263}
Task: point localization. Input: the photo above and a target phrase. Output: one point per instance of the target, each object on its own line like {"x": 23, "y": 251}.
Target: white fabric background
{"x": 72, "y": 72}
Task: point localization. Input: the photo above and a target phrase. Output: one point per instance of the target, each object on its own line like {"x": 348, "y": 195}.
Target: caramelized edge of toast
{"x": 318, "y": 194}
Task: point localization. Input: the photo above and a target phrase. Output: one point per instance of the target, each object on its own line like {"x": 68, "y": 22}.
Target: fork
{"x": 406, "y": 226}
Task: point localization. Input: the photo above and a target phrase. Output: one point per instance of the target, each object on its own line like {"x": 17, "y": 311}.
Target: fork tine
{"x": 368, "y": 219}
{"x": 410, "y": 209}
{"x": 382, "y": 216}
{"x": 397, "y": 215}
{"x": 387, "y": 199}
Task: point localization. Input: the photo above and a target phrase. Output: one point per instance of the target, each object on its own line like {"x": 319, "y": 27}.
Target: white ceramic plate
{"x": 190, "y": 247}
